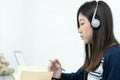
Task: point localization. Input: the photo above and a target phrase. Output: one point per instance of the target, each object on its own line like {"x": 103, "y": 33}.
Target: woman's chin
{"x": 86, "y": 42}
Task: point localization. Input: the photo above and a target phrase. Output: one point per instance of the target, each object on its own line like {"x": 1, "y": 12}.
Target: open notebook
{"x": 30, "y": 72}
{"x": 33, "y": 73}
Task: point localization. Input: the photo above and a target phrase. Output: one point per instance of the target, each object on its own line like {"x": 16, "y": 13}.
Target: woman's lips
{"x": 81, "y": 37}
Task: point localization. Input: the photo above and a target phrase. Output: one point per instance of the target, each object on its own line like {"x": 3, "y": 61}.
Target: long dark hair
{"x": 103, "y": 37}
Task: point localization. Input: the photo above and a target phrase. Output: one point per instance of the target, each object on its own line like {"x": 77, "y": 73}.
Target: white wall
{"x": 43, "y": 30}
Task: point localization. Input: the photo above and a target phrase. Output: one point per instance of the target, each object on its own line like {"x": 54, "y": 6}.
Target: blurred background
{"x": 39, "y": 30}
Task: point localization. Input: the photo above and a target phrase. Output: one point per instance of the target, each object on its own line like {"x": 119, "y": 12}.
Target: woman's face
{"x": 85, "y": 29}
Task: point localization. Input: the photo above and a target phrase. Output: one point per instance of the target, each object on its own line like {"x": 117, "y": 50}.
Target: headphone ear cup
{"x": 95, "y": 23}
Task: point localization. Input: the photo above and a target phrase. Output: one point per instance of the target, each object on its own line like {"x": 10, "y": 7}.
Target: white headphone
{"x": 95, "y": 22}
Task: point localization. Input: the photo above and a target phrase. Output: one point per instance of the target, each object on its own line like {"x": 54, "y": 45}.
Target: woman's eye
{"x": 81, "y": 23}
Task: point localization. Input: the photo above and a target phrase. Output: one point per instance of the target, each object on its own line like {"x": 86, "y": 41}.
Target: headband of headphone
{"x": 95, "y": 22}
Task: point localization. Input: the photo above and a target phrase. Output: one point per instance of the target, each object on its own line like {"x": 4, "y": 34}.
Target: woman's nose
{"x": 79, "y": 30}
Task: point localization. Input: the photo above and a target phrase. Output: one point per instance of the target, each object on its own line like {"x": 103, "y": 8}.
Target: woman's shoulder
{"x": 113, "y": 50}
{"x": 112, "y": 53}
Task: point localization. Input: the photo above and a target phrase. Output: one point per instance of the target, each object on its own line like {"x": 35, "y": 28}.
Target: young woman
{"x": 95, "y": 25}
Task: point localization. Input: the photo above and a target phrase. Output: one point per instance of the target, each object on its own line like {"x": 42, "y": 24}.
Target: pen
{"x": 61, "y": 68}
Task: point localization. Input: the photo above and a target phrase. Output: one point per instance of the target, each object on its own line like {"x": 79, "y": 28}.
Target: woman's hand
{"x": 55, "y": 67}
